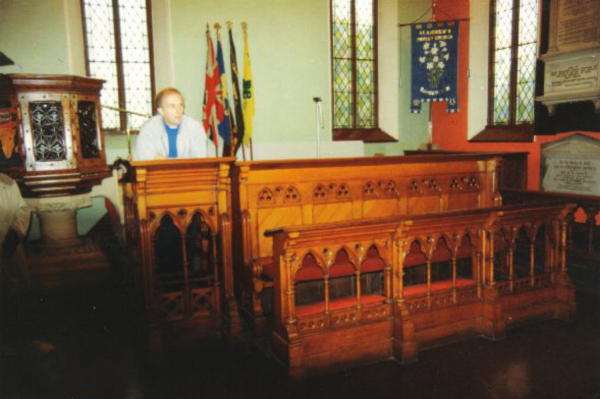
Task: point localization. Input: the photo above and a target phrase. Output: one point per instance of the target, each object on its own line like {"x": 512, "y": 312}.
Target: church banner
{"x": 434, "y": 64}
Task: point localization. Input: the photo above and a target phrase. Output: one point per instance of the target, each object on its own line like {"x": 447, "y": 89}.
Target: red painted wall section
{"x": 450, "y": 130}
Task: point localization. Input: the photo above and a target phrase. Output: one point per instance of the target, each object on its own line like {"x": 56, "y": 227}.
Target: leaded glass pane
{"x": 88, "y": 129}
{"x": 48, "y": 131}
{"x": 342, "y": 110}
{"x": 342, "y": 29}
{"x": 502, "y": 86}
{"x": 505, "y": 26}
{"x": 365, "y": 76}
{"x": 102, "y": 61}
{"x": 528, "y": 33}
{"x": 364, "y": 29}
{"x": 504, "y": 31}
{"x": 136, "y": 58}
{"x": 366, "y": 111}
{"x": 526, "y": 83}
{"x": 135, "y": 55}
{"x": 353, "y": 68}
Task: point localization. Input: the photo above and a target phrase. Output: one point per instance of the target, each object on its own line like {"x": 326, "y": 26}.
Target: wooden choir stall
{"x": 178, "y": 215}
{"x": 361, "y": 291}
{"x": 349, "y": 261}
{"x": 271, "y": 194}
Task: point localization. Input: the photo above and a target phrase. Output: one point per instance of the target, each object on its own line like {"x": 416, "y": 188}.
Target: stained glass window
{"x": 118, "y": 50}
{"x": 513, "y": 61}
{"x": 353, "y": 27}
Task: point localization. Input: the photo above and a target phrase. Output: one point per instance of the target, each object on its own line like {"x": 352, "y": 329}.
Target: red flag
{"x": 212, "y": 110}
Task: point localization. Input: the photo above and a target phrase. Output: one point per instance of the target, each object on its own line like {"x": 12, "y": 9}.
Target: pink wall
{"x": 450, "y": 130}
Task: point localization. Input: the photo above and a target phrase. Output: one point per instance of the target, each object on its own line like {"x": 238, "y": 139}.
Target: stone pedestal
{"x": 62, "y": 258}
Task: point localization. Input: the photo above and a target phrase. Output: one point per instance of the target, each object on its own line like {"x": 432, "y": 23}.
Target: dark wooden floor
{"x": 87, "y": 344}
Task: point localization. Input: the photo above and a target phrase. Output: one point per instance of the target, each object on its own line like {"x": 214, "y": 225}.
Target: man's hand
{"x": 10, "y": 244}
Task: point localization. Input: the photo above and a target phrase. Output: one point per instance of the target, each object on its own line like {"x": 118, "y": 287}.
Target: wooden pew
{"x": 271, "y": 194}
{"x": 401, "y": 317}
{"x": 179, "y": 219}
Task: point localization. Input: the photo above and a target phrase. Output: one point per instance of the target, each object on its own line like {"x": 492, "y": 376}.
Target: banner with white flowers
{"x": 434, "y": 64}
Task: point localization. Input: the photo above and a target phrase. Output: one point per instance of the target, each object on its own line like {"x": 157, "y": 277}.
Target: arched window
{"x": 118, "y": 49}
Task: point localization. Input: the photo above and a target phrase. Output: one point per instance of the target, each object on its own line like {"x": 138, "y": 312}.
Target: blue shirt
{"x": 172, "y": 135}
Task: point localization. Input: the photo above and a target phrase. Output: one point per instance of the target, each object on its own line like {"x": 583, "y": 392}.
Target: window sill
{"x": 495, "y": 134}
{"x": 366, "y": 135}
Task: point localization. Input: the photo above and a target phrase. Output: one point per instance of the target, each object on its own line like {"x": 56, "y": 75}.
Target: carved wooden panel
{"x": 270, "y": 218}
{"x": 332, "y": 212}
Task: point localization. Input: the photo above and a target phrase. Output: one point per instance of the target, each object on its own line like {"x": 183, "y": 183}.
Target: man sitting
{"x": 171, "y": 134}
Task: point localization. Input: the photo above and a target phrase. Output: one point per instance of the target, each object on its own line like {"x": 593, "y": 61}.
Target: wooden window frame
{"x": 119, "y": 61}
{"x": 511, "y": 132}
{"x": 368, "y": 135}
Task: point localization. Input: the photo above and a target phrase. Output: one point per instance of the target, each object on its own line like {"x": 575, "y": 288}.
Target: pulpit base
{"x": 66, "y": 265}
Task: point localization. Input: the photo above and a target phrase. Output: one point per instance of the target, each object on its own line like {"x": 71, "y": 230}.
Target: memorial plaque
{"x": 572, "y": 63}
{"x": 576, "y": 26}
{"x": 571, "y": 165}
{"x": 573, "y": 74}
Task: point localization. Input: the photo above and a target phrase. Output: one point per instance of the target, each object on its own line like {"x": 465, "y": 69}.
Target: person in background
{"x": 170, "y": 134}
{"x": 14, "y": 223}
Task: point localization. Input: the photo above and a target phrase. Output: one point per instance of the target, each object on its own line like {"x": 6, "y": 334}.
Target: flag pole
{"x": 217, "y": 27}
{"x": 231, "y": 132}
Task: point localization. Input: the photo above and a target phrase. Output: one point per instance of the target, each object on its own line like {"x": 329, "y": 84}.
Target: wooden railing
{"x": 401, "y": 318}
{"x": 582, "y": 237}
{"x": 271, "y": 194}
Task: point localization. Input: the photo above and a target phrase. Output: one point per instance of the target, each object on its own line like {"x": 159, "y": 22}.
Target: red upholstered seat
{"x": 313, "y": 308}
{"x": 371, "y": 298}
{"x": 421, "y": 289}
{"x": 336, "y": 304}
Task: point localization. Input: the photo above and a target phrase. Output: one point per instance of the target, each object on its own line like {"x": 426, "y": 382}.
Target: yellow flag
{"x": 248, "y": 93}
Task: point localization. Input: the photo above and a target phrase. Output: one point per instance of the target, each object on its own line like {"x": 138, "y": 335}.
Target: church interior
{"x": 359, "y": 229}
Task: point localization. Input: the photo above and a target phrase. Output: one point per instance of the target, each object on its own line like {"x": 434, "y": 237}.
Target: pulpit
{"x": 178, "y": 221}
{"x": 53, "y": 146}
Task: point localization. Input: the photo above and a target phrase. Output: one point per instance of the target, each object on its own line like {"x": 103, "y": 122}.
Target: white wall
{"x": 478, "y": 67}
{"x": 42, "y": 36}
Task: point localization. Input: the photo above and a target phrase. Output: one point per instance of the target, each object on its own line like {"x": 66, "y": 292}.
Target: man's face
{"x": 172, "y": 109}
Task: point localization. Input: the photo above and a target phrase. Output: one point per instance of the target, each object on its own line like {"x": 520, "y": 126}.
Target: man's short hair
{"x": 165, "y": 92}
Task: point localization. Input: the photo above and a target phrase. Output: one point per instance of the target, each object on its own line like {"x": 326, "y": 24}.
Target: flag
{"x": 248, "y": 92}
{"x": 212, "y": 110}
{"x": 237, "y": 101}
{"x": 225, "y": 125}
{"x": 434, "y": 64}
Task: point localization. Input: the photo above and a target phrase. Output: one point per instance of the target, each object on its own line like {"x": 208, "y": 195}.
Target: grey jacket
{"x": 153, "y": 141}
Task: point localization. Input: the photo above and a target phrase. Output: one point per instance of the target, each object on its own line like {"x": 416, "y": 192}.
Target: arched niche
{"x": 200, "y": 251}
{"x": 371, "y": 276}
{"x": 168, "y": 255}
{"x": 342, "y": 277}
{"x": 464, "y": 259}
{"x": 522, "y": 254}
{"x": 309, "y": 282}
{"x": 441, "y": 261}
{"x": 415, "y": 271}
